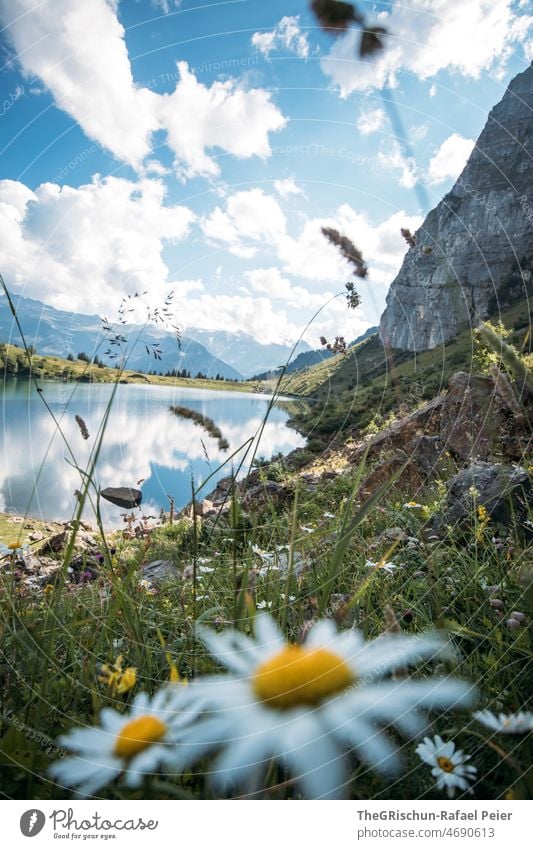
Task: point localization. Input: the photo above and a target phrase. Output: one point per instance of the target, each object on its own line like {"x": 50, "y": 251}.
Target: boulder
{"x": 470, "y": 417}
{"x": 264, "y": 494}
{"x": 122, "y": 496}
{"x": 160, "y": 572}
{"x": 505, "y": 491}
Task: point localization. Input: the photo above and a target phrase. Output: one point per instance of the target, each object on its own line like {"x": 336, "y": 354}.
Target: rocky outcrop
{"x": 474, "y": 251}
{"x": 505, "y": 492}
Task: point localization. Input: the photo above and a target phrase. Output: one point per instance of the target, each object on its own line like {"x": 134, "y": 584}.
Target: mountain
{"x": 312, "y": 357}
{"x": 244, "y": 353}
{"x": 57, "y": 332}
{"x": 474, "y": 251}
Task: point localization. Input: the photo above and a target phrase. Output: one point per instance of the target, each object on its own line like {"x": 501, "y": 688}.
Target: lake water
{"x": 143, "y": 440}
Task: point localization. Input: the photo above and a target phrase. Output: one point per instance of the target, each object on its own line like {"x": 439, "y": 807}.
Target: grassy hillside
{"x": 14, "y": 363}
{"x": 362, "y": 387}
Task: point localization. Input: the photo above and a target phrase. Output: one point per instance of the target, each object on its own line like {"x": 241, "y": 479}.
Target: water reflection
{"x": 143, "y": 441}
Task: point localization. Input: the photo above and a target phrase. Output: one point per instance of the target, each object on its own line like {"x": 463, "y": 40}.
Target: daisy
{"x": 14, "y": 550}
{"x": 306, "y": 705}
{"x": 386, "y": 566}
{"x": 132, "y": 744}
{"x": 448, "y": 764}
{"x": 515, "y": 723}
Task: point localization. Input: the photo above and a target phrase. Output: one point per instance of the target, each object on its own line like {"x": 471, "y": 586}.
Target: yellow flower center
{"x": 137, "y": 735}
{"x": 299, "y": 676}
{"x": 445, "y": 764}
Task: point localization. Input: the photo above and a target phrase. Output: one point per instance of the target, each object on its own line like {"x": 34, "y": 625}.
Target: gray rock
{"x": 161, "y": 572}
{"x": 481, "y": 234}
{"x": 264, "y": 494}
{"x": 505, "y": 491}
{"x": 122, "y": 496}
{"x": 470, "y": 417}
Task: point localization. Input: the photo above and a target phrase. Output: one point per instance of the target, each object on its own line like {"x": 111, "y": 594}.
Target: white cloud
{"x": 84, "y": 62}
{"x": 432, "y": 90}
{"x": 253, "y": 221}
{"x": 249, "y": 216}
{"x": 236, "y": 313}
{"x": 78, "y": 51}
{"x": 392, "y": 159}
{"x": 287, "y": 187}
{"x": 198, "y": 118}
{"x": 83, "y": 249}
{"x": 370, "y": 121}
{"x": 427, "y": 36}
{"x": 450, "y": 158}
{"x": 286, "y": 35}
{"x": 271, "y": 282}
{"x": 166, "y": 6}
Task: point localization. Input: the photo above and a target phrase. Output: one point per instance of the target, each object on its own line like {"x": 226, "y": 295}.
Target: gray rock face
{"x": 475, "y": 249}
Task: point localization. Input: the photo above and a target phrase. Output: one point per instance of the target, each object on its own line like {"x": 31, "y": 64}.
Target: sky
{"x": 199, "y": 147}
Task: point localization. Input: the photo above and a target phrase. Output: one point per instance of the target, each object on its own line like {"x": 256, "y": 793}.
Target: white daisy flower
{"x": 134, "y": 744}
{"x": 307, "y": 705}
{"x": 386, "y": 566}
{"x": 262, "y": 605}
{"x": 515, "y": 723}
{"x": 449, "y": 764}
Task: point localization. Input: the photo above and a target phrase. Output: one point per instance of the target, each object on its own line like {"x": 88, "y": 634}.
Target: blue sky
{"x": 201, "y": 146}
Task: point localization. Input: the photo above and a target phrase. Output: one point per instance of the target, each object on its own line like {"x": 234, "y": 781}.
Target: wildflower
{"x": 329, "y": 515}
{"x": 134, "y": 744}
{"x": 515, "y": 723}
{"x": 413, "y": 505}
{"x": 147, "y": 587}
{"x": 117, "y": 679}
{"x": 483, "y": 520}
{"x": 305, "y": 705}
{"x": 382, "y": 564}
{"x": 262, "y": 605}
{"x": 14, "y": 550}
{"x": 448, "y": 764}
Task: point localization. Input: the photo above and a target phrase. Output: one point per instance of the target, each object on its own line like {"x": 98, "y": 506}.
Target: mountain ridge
{"x": 60, "y": 332}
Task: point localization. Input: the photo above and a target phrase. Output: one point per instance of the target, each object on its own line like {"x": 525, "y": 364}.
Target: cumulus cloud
{"x": 287, "y": 187}
{"x": 428, "y": 36}
{"x": 78, "y": 51}
{"x": 86, "y": 247}
{"x": 450, "y": 158}
{"x": 253, "y": 221}
{"x": 392, "y": 159}
{"x": 287, "y": 35}
{"x": 370, "y": 121}
{"x": 249, "y": 218}
{"x": 90, "y": 78}
{"x": 272, "y": 283}
{"x": 224, "y": 116}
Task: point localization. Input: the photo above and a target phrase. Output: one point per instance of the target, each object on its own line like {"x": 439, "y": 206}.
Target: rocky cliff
{"x": 474, "y": 251}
